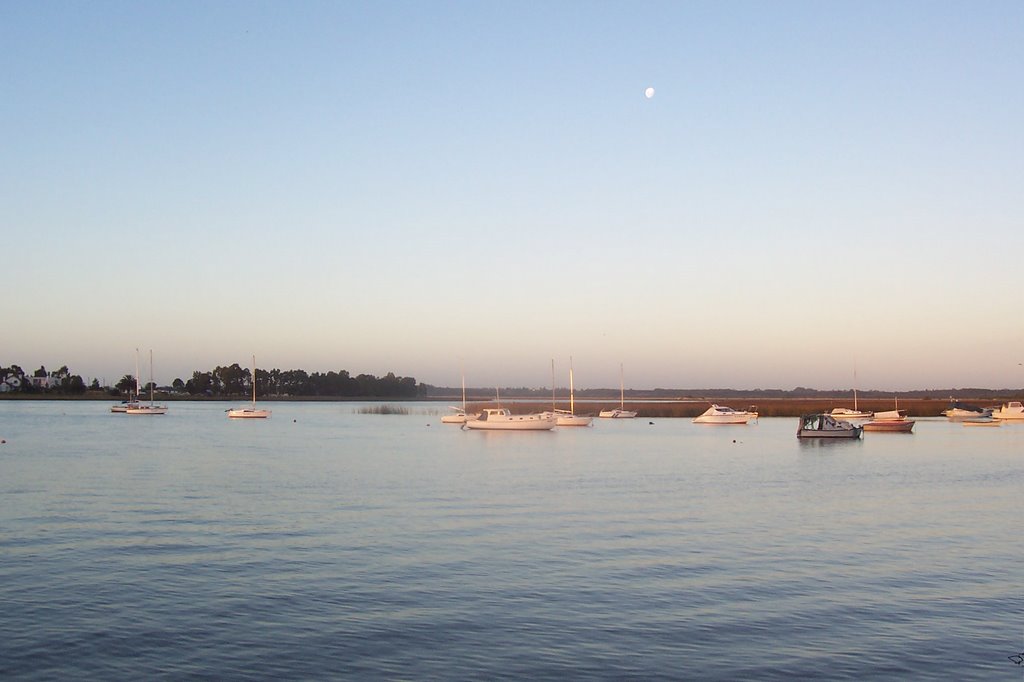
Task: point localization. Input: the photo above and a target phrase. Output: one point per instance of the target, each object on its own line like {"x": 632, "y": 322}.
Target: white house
{"x": 11, "y": 383}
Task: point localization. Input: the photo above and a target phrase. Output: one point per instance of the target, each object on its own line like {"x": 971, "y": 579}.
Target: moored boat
{"x": 720, "y": 414}
{"x": 152, "y": 408}
{"x": 619, "y": 412}
{"x": 981, "y": 422}
{"x": 903, "y": 425}
{"x": 133, "y": 400}
{"x": 563, "y": 417}
{"x": 458, "y": 416}
{"x": 826, "y": 426}
{"x": 1010, "y": 410}
{"x": 848, "y": 414}
{"x": 500, "y": 419}
{"x": 959, "y": 410}
{"x": 251, "y": 412}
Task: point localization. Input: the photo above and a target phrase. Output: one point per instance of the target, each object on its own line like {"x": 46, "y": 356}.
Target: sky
{"x": 817, "y": 194}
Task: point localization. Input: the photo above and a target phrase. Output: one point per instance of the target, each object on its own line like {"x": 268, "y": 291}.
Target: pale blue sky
{"x": 419, "y": 186}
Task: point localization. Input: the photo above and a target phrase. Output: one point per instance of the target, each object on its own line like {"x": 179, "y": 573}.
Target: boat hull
{"x": 512, "y": 425}
{"x": 846, "y": 413}
{"x": 853, "y": 433}
{"x": 500, "y": 419}
{"x": 248, "y": 413}
{"x": 147, "y": 409}
{"x": 826, "y": 426}
{"x": 1010, "y": 411}
{"x": 719, "y": 419}
{"x": 617, "y": 414}
{"x": 573, "y": 420}
{"x": 718, "y": 414}
{"x": 891, "y": 425}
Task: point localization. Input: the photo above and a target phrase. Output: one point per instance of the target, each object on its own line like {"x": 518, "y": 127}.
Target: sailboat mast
{"x": 254, "y": 380}
{"x": 572, "y": 401}
{"x": 463, "y": 392}
{"x": 138, "y": 386}
{"x": 552, "y": 384}
{"x": 622, "y": 390}
{"x": 151, "y": 377}
{"x": 855, "y": 387}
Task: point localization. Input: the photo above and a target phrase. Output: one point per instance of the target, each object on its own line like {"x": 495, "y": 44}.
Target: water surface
{"x": 326, "y": 543}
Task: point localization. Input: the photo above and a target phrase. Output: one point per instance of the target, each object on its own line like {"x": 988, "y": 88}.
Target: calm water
{"x": 324, "y": 543}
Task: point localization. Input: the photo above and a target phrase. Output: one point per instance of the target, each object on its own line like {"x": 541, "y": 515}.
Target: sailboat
{"x": 459, "y": 416}
{"x": 501, "y": 419}
{"x": 891, "y": 420}
{"x": 847, "y": 413}
{"x": 570, "y": 418}
{"x": 620, "y": 412}
{"x": 152, "y": 408}
{"x": 249, "y": 412}
{"x": 133, "y": 400}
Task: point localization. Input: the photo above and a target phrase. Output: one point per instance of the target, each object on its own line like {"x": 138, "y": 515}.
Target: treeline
{"x": 236, "y": 380}
{"x": 229, "y": 381}
{"x": 14, "y": 379}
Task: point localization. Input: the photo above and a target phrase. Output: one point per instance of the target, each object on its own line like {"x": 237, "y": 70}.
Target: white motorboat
{"x": 152, "y": 408}
{"x": 251, "y": 412}
{"x": 719, "y": 414}
{"x": 1010, "y": 410}
{"x": 619, "y": 412}
{"x": 500, "y": 419}
{"x": 826, "y": 426}
{"x": 958, "y": 410}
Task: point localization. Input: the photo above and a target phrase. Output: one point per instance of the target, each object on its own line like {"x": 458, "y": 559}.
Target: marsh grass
{"x": 382, "y": 409}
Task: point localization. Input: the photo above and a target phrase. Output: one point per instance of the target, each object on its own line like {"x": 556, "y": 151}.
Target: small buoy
{"x": 733, "y": 440}
{"x": 294, "y": 420}
{"x": 651, "y": 423}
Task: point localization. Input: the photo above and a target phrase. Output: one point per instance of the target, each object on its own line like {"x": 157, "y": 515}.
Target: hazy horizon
{"x": 434, "y": 189}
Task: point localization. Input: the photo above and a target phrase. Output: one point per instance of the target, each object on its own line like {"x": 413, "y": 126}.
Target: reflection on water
{"x": 326, "y": 542}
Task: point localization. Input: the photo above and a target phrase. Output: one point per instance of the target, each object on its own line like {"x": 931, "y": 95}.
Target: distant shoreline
{"x": 646, "y": 408}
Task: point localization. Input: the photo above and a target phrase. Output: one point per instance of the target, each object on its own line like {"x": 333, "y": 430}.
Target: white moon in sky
{"x": 649, "y": 93}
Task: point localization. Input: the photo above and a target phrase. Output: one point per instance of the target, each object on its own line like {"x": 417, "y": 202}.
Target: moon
{"x": 649, "y": 93}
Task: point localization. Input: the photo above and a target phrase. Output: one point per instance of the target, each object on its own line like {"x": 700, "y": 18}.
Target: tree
{"x": 233, "y": 379}
{"x": 95, "y": 385}
{"x": 126, "y": 384}
{"x": 178, "y": 385}
{"x": 200, "y": 383}
{"x": 73, "y": 384}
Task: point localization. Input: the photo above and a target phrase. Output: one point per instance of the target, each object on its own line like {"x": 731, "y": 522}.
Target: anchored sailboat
{"x": 250, "y": 412}
{"x": 152, "y": 408}
{"x": 620, "y": 412}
